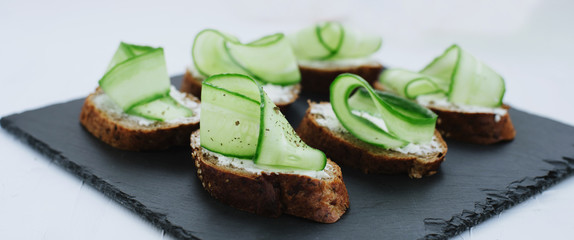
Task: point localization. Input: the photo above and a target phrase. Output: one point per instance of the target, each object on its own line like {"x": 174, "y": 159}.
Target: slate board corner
{"x": 498, "y": 201}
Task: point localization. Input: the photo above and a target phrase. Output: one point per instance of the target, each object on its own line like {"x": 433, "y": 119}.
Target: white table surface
{"x": 55, "y": 51}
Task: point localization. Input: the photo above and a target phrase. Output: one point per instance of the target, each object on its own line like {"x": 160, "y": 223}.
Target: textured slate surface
{"x": 474, "y": 183}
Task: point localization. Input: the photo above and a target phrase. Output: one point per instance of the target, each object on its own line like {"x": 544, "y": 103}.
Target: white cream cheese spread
{"x": 433, "y": 101}
{"x": 249, "y": 166}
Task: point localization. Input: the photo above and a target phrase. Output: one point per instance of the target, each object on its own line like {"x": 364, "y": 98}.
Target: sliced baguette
{"x": 191, "y": 83}
{"x": 319, "y": 129}
{"x": 317, "y": 77}
{"x": 487, "y": 126}
{"x": 322, "y": 199}
{"x": 108, "y": 123}
{"x": 474, "y": 127}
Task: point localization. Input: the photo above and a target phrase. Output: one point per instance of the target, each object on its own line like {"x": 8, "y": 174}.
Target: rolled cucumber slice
{"x": 443, "y": 67}
{"x": 163, "y": 109}
{"x": 230, "y": 111}
{"x": 210, "y": 55}
{"x": 268, "y": 59}
{"x": 239, "y": 120}
{"x": 405, "y": 121}
{"x": 332, "y": 40}
{"x": 471, "y": 81}
{"x": 358, "y": 44}
{"x": 138, "y": 82}
{"x": 330, "y": 35}
{"x": 279, "y": 146}
{"x": 457, "y": 74}
{"x": 474, "y": 83}
{"x": 411, "y": 84}
{"x": 136, "y": 79}
{"x": 307, "y": 44}
{"x": 126, "y": 51}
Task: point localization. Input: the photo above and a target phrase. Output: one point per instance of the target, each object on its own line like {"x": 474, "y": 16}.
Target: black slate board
{"x": 474, "y": 183}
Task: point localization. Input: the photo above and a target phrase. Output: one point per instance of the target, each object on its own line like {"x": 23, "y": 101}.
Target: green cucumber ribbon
{"x": 138, "y": 82}
{"x": 331, "y": 41}
{"x": 405, "y": 121}
{"x": 269, "y": 59}
{"x": 456, "y": 74}
{"x": 238, "y": 119}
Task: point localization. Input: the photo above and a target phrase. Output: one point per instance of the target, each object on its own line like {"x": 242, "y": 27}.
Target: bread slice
{"x": 479, "y": 125}
{"x": 321, "y": 129}
{"x": 474, "y": 127}
{"x": 318, "y": 196}
{"x": 282, "y": 96}
{"x": 317, "y": 76}
{"x": 107, "y": 122}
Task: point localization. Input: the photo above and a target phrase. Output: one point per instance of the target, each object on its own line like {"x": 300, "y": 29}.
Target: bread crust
{"x": 346, "y": 150}
{"x": 192, "y": 84}
{"x": 122, "y": 134}
{"x": 272, "y": 194}
{"x": 318, "y": 80}
{"x": 478, "y": 128}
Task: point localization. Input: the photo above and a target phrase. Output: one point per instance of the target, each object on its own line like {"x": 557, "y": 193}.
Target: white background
{"x": 55, "y": 51}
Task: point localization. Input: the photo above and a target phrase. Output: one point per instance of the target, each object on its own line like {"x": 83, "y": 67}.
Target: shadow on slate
{"x": 474, "y": 183}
